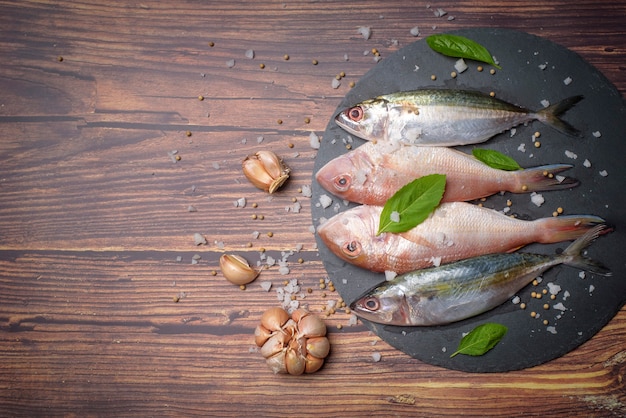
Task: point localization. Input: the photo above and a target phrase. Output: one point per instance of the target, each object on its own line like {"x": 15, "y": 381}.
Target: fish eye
{"x": 355, "y": 113}
{"x": 371, "y": 304}
{"x": 351, "y": 249}
{"x": 342, "y": 182}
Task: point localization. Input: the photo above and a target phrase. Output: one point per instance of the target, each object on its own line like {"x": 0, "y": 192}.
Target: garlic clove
{"x": 312, "y": 364}
{"x": 237, "y": 270}
{"x": 274, "y": 318}
{"x": 298, "y": 314}
{"x": 277, "y": 362}
{"x": 294, "y": 362}
{"x": 261, "y": 335}
{"x": 318, "y": 347}
{"x": 274, "y": 344}
{"x": 265, "y": 170}
{"x": 312, "y": 326}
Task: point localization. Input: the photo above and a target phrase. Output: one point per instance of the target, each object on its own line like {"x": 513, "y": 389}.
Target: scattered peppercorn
{"x": 201, "y": 98}
{"x": 314, "y": 62}
{"x": 261, "y": 65}
{"x": 479, "y": 68}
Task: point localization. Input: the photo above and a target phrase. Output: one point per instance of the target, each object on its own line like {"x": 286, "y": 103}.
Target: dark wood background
{"x": 94, "y": 98}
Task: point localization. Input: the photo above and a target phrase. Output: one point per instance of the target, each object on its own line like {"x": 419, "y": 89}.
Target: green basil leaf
{"x": 494, "y": 159}
{"x": 481, "y": 339}
{"x": 412, "y": 204}
{"x": 460, "y": 47}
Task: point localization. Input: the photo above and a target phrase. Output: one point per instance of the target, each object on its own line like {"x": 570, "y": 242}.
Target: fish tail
{"x": 550, "y": 115}
{"x": 573, "y": 254}
{"x": 543, "y": 178}
{"x": 565, "y": 228}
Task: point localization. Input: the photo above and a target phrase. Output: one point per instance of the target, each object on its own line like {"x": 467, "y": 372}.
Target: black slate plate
{"x": 592, "y": 300}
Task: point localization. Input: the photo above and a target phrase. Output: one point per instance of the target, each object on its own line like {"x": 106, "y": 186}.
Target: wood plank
{"x": 94, "y": 211}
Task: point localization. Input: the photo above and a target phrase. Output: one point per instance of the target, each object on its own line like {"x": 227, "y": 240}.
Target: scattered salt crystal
{"x": 346, "y": 57}
{"x": 283, "y": 270}
{"x": 306, "y": 190}
{"x": 460, "y": 65}
{"x": 365, "y": 31}
{"x": 567, "y": 81}
{"x": 554, "y": 289}
{"x": 230, "y": 63}
{"x": 436, "y": 261}
{"x": 199, "y": 239}
{"x": 376, "y": 357}
{"x": 439, "y": 12}
{"x": 179, "y": 259}
{"x": 545, "y": 103}
{"x": 591, "y": 288}
{"x": 566, "y": 295}
{"x": 603, "y": 173}
{"x": 216, "y": 165}
{"x": 395, "y": 216}
{"x": 560, "y": 307}
{"x": 240, "y": 203}
{"x": 570, "y": 154}
{"x": 596, "y": 134}
{"x": 513, "y": 131}
{"x": 444, "y": 349}
{"x": 266, "y": 285}
{"x": 256, "y": 234}
{"x": 259, "y": 139}
{"x": 539, "y": 279}
{"x": 559, "y": 178}
{"x": 296, "y": 208}
{"x": 352, "y": 320}
{"x": 325, "y": 201}
{"x": 270, "y": 261}
{"x": 415, "y": 31}
{"x": 191, "y": 209}
{"x": 312, "y": 229}
{"x": 450, "y": 18}
{"x": 219, "y": 244}
{"x": 335, "y": 83}
{"x": 390, "y": 275}
{"x": 542, "y": 66}
{"x": 537, "y": 199}
{"x": 522, "y": 147}
{"x": 506, "y": 209}
{"x": 249, "y": 54}
{"x": 314, "y": 140}
{"x": 516, "y": 300}
{"x": 582, "y": 274}
{"x": 551, "y": 329}
{"x": 587, "y": 163}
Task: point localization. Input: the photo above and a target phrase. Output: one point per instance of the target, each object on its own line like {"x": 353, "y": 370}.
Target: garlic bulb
{"x": 265, "y": 170}
{"x": 293, "y": 344}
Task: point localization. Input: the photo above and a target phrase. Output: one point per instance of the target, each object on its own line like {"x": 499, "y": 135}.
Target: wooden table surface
{"x": 97, "y": 239}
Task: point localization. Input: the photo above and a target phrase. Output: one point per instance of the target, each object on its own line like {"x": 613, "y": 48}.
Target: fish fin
{"x": 543, "y": 178}
{"x": 550, "y": 115}
{"x": 574, "y": 257}
{"x": 565, "y": 228}
{"x": 419, "y": 240}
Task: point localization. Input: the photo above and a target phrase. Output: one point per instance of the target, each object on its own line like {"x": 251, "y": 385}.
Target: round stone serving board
{"x": 591, "y": 301}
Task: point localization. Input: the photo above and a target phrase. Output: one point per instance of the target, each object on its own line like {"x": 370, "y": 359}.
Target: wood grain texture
{"x": 96, "y": 239}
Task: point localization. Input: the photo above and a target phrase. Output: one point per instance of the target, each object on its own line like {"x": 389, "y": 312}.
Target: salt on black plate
{"x": 533, "y": 70}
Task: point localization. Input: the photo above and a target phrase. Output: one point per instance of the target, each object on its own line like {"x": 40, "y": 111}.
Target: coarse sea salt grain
{"x": 596, "y": 134}
{"x": 570, "y": 154}
{"x": 537, "y": 199}
{"x": 554, "y": 289}
{"x": 415, "y": 31}
{"x": 230, "y": 63}
{"x": 516, "y": 300}
{"x": 325, "y": 201}
{"x": 460, "y": 65}
{"x": 376, "y": 357}
{"x": 395, "y": 216}
{"x": 390, "y": 275}
{"x": 587, "y": 163}
{"x": 603, "y": 173}
{"x": 551, "y": 329}
{"x": 365, "y": 31}
{"x": 522, "y": 147}
{"x": 306, "y": 191}
{"x": 314, "y": 140}
{"x": 591, "y": 288}
{"x": 545, "y": 103}
{"x": 567, "y": 81}
{"x": 335, "y": 83}
{"x": 436, "y": 261}
{"x": 560, "y": 307}
{"x": 582, "y": 274}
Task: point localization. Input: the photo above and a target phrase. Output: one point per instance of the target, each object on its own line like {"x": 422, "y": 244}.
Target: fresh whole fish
{"x": 454, "y": 231}
{"x": 373, "y": 172}
{"x": 460, "y": 290}
{"x": 444, "y": 117}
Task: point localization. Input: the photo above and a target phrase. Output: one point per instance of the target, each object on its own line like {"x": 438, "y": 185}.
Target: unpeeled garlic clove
{"x": 274, "y": 318}
{"x": 261, "y": 335}
{"x": 277, "y": 362}
{"x": 311, "y": 326}
{"x": 237, "y": 270}
{"x": 274, "y": 344}
{"x": 265, "y": 170}
{"x": 318, "y": 347}
{"x": 294, "y": 362}
{"x": 312, "y": 364}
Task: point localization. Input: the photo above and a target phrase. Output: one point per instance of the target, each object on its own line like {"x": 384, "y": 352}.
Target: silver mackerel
{"x": 460, "y": 290}
{"x": 444, "y": 117}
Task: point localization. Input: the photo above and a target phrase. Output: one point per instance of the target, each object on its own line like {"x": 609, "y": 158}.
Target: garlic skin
{"x": 236, "y": 269}
{"x": 265, "y": 170}
{"x": 293, "y": 344}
